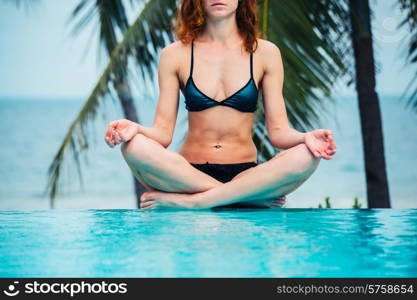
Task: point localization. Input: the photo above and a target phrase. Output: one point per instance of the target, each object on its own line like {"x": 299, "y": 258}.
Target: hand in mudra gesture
{"x": 321, "y": 143}
{"x": 120, "y": 131}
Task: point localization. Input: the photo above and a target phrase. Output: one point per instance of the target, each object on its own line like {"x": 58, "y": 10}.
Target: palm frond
{"x": 111, "y": 15}
{"x": 313, "y": 38}
{"x": 410, "y": 19}
{"x": 306, "y": 34}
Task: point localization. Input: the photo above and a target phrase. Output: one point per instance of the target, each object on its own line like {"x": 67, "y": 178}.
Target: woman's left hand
{"x": 321, "y": 143}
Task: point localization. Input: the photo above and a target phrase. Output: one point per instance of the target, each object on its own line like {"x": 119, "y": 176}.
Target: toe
{"x": 147, "y": 204}
{"x": 147, "y": 196}
{"x": 143, "y": 196}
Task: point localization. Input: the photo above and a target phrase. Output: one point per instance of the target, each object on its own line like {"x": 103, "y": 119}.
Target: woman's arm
{"x": 280, "y": 133}
{"x": 287, "y": 138}
{"x": 163, "y": 126}
{"x": 159, "y": 134}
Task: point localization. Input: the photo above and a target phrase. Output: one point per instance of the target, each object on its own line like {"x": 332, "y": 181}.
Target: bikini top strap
{"x": 192, "y": 57}
{"x": 251, "y": 65}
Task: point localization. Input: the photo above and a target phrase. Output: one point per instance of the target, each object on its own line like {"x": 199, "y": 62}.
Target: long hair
{"x": 190, "y": 21}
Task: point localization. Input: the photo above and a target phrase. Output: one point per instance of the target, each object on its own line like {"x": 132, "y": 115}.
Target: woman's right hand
{"x": 119, "y": 131}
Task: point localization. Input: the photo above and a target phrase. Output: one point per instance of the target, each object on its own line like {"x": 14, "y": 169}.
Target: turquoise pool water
{"x": 230, "y": 243}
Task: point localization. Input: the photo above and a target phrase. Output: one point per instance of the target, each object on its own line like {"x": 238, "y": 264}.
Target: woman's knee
{"x": 306, "y": 162}
{"x": 139, "y": 148}
{"x": 148, "y": 153}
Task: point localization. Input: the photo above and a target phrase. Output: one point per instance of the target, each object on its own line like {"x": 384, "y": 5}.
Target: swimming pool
{"x": 228, "y": 243}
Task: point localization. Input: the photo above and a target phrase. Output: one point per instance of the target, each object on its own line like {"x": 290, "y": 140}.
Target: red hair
{"x": 190, "y": 22}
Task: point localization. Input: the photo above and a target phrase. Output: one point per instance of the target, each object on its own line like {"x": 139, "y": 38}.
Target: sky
{"x": 40, "y": 59}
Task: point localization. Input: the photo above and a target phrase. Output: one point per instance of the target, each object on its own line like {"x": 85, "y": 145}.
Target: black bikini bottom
{"x": 225, "y": 173}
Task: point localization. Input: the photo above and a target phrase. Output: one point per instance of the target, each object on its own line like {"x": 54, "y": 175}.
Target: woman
{"x": 217, "y": 51}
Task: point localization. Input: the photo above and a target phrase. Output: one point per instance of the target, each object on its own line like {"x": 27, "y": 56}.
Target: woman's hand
{"x": 321, "y": 143}
{"x": 120, "y": 131}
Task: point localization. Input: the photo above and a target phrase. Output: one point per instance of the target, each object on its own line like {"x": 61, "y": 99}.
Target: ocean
{"x": 33, "y": 130}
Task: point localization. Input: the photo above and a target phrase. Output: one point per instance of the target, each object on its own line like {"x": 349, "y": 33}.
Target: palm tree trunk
{"x": 372, "y": 136}
{"x": 129, "y": 110}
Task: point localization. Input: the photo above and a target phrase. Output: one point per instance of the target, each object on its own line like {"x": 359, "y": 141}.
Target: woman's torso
{"x": 219, "y": 134}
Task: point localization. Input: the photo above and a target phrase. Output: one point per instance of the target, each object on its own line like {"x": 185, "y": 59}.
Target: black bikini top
{"x": 245, "y": 99}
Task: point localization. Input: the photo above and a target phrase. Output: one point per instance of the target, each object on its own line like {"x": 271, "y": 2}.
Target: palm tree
{"x": 313, "y": 36}
{"x": 370, "y": 115}
{"x": 372, "y": 137}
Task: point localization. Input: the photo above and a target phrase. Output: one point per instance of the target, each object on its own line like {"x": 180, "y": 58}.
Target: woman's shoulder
{"x": 265, "y": 46}
{"x": 175, "y": 51}
{"x": 174, "y": 55}
{"x": 175, "y": 47}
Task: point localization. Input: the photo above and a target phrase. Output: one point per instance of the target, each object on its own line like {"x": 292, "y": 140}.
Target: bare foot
{"x": 158, "y": 199}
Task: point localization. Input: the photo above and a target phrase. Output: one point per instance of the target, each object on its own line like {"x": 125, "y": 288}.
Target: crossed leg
{"x": 261, "y": 184}
{"x": 175, "y": 182}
